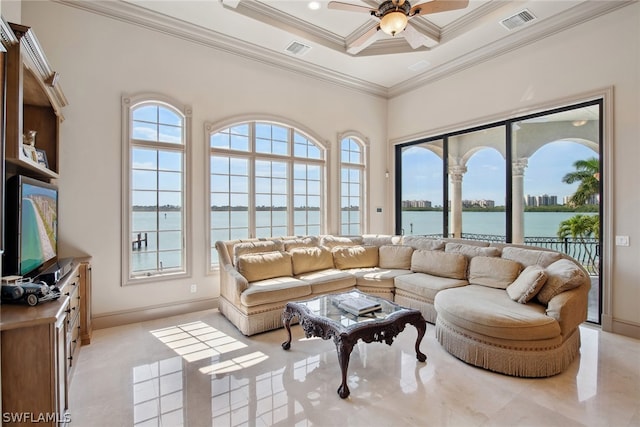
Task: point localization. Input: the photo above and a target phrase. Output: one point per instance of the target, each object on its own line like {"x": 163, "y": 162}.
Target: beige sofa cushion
{"x": 310, "y": 259}
{"x": 562, "y": 275}
{"x": 278, "y": 289}
{"x": 265, "y": 265}
{"x": 395, "y": 256}
{"x": 425, "y": 286}
{"x": 330, "y": 280}
{"x": 332, "y": 241}
{"x": 355, "y": 256}
{"x": 303, "y": 242}
{"x": 419, "y": 242}
{"x": 527, "y": 285}
{"x": 471, "y": 251}
{"x": 257, "y": 246}
{"x": 439, "y": 263}
{"x": 493, "y": 272}
{"x": 529, "y": 257}
{"x": 490, "y": 312}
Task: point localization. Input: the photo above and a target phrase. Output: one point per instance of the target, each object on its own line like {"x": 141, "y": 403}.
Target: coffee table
{"x": 322, "y": 317}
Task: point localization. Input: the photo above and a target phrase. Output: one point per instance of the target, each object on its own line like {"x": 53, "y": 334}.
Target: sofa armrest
{"x": 232, "y": 283}
{"x": 570, "y": 307}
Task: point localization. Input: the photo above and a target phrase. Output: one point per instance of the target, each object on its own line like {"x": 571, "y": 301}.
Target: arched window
{"x": 155, "y": 188}
{"x": 352, "y": 184}
{"x": 266, "y": 179}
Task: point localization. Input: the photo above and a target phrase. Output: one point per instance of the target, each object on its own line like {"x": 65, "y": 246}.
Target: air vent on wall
{"x": 297, "y": 48}
{"x": 517, "y": 20}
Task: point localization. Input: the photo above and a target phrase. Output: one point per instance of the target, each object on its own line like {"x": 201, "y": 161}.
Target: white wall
{"x": 99, "y": 60}
{"x": 602, "y": 53}
{"x": 11, "y": 10}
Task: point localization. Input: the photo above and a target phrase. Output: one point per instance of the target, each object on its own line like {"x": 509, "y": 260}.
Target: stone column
{"x": 455, "y": 175}
{"x": 517, "y": 180}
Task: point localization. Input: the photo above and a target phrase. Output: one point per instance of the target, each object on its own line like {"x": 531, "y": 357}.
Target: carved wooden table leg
{"x": 286, "y": 320}
{"x": 344, "y": 346}
{"x": 421, "y": 326}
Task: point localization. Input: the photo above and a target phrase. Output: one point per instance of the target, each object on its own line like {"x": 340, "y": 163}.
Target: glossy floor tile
{"x": 198, "y": 370}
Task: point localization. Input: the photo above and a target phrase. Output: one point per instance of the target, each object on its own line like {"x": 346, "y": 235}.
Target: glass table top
{"x": 328, "y": 306}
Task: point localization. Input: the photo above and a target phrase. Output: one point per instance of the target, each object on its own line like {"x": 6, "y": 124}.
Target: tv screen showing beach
{"x": 39, "y": 226}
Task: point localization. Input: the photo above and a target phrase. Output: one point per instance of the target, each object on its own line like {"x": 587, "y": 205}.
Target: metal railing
{"x": 586, "y": 251}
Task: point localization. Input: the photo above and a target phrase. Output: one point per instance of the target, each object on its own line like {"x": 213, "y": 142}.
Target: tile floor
{"x": 198, "y": 370}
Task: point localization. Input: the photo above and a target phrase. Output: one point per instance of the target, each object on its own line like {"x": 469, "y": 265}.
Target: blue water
{"x": 165, "y": 245}
{"x": 31, "y": 255}
{"x": 536, "y": 224}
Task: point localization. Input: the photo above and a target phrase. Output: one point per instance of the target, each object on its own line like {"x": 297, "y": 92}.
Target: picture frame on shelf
{"x": 30, "y": 152}
{"x": 41, "y": 158}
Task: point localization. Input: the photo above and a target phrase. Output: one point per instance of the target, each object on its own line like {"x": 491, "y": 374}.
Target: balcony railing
{"x": 586, "y": 251}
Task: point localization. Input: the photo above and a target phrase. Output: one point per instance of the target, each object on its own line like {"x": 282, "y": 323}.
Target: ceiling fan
{"x": 394, "y": 16}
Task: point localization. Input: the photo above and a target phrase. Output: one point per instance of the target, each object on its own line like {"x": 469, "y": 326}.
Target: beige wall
{"x": 603, "y": 53}
{"x": 99, "y": 59}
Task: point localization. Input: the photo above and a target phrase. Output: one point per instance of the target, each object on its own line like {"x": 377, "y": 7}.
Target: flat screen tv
{"x": 31, "y": 226}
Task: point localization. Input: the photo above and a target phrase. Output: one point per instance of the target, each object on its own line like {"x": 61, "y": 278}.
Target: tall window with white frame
{"x": 156, "y": 203}
{"x": 266, "y": 179}
{"x": 352, "y": 168}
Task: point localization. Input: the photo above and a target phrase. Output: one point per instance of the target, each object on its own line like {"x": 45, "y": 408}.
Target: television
{"x": 31, "y": 226}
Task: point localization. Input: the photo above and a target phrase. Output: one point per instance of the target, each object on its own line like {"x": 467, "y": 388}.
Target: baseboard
{"x": 628, "y": 329}
{"x": 109, "y": 320}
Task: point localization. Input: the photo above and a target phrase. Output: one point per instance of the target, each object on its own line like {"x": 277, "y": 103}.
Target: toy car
{"x": 19, "y": 290}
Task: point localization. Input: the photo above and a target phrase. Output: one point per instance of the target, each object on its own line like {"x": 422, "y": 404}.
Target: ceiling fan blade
{"x": 413, "y": 37}
{"x": 337, "y": 5}
{"x": 364, "y": 40}
{"x": 436, "y": 6}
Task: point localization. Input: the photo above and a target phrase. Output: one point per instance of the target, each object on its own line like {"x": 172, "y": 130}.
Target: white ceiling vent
{"x": 517, "y": 20}
{"x": 297, "y": 48}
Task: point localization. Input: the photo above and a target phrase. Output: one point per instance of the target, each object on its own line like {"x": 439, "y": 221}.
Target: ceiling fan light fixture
{"x": 393, "y": 22}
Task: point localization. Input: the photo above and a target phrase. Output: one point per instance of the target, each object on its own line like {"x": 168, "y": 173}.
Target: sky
{"x": 484, "y": 179}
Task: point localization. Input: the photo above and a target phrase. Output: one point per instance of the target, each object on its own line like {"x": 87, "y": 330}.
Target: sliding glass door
{"x": 532, "y": 180}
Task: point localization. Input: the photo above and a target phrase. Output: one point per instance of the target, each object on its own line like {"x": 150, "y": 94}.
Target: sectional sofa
{"x": 507, "y": 308}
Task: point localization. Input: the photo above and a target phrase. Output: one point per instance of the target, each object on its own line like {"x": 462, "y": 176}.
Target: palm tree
{"x": 587, "y": 173}
{"x": 582, "y": 228}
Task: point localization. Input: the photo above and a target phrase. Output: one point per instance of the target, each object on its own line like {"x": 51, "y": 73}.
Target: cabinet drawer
{"x": 74, "y": 298}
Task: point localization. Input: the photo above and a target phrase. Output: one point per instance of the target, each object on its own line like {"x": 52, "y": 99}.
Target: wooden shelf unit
{"x": 34, "y": 100}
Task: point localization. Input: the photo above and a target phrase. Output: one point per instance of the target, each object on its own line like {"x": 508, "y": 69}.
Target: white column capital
{"x": 519, "y": 165}
{"x": 456, "y": 172}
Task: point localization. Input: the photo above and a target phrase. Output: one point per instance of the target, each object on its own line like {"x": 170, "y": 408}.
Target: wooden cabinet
{"x": 34, "y": 100}
{"x": 40, "y": 348}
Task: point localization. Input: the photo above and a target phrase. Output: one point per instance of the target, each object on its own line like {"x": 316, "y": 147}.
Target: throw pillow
{"x": 439, "y": 263}
{"x": 529, "y": 257}
{"x": 562, "y": 275}
{"x": 375, "y": 240}
{"x": 310, "y": 259}
{"x": 257, "y": 246}
{"x": 493, "y": 272}
{"x": 302, "y": 242}
{"x": 427, "y": 243}
{"x": 527, "y": 285}
{"x": 355, "y": 256}
{"x": 395, "y": 256}
{"x": 471, "y": 251}
{"x": 266, "y": 265}
{"x": 332, "y": 241}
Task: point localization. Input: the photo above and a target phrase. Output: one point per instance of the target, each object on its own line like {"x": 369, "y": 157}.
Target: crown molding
{"x": 276, "y": 18}
{"x": 7, "y": 38}
{"x": 569, "y": 18}
{"x": 155, "y": 21}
